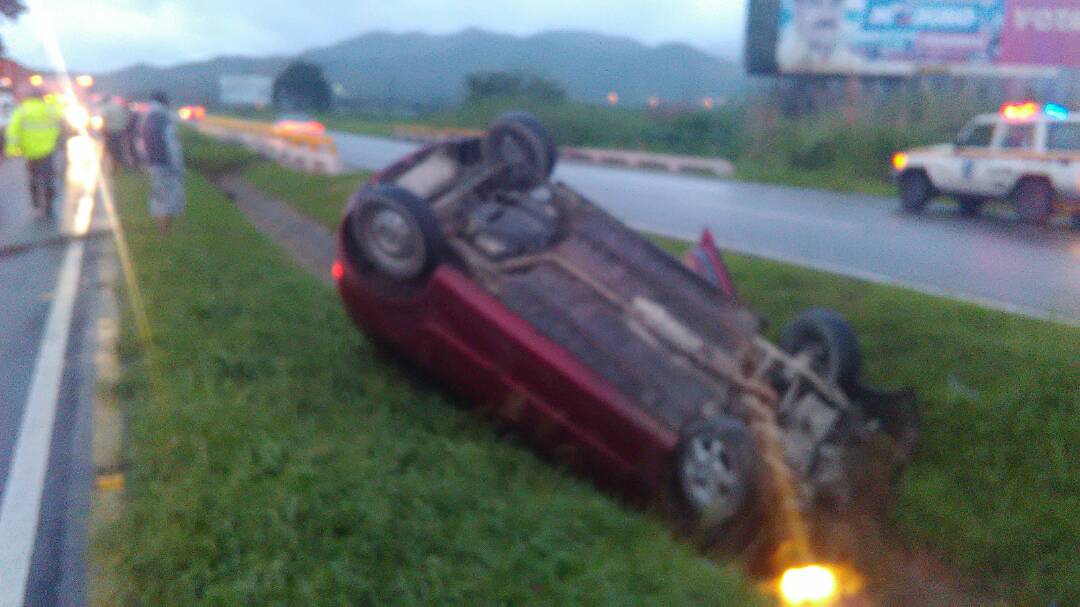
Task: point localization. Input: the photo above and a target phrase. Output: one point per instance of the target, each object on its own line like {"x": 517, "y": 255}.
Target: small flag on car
{"x": 705, "y": 260}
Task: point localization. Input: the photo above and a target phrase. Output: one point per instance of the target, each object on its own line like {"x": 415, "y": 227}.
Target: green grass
{"x": 319, "y": 197}
{"x": 995, "y": 485}
{"x": 272, "y": 459}
{"x": 757, "y": 171}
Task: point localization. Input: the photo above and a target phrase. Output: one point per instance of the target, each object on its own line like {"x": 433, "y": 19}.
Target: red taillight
{"x": 337, "y": 271}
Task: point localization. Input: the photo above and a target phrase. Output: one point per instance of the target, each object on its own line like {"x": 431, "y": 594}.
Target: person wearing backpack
{"x": 164, "y": 160}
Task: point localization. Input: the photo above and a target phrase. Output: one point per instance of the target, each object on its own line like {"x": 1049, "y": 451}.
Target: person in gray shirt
{"x": 164, "y": 162}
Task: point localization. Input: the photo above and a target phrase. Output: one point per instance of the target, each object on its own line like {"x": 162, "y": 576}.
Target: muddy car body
{"x": 516, "y": 291}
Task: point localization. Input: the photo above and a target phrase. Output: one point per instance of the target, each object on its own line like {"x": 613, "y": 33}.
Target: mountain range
{"x": 428, "y": 70}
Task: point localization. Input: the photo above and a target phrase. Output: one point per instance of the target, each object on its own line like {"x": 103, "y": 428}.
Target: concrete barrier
{"x": 306, "y": 152}
{"x": 672, "y": 163}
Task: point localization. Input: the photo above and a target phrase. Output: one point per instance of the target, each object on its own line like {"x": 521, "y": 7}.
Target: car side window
{"x": 977, "y": 136}
{"x": 1019, "y": 137}
{"x": 1065, "y": 136}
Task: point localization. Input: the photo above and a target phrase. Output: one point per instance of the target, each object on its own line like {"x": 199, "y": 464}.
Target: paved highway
{"x": 48, "y": 305}
{"x": 994, "y": 260}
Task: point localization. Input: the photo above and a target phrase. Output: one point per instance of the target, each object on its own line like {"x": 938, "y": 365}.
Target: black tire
{"x": 915, "y": 191}
{"x": 1035, "y": 200}
{"x": 519, "y": 142}
{"x": 716, "y": 470}
{"x": 970, "y": 205}
{"x": 397, "y": 233}
{"x": 829, "y": 341}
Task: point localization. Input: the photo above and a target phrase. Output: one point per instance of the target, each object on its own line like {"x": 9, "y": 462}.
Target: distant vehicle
{"x": 192, "y": 113}
{"x": 1027, "y": 154}
{"x": 298, "y": 124}
{"x": 518, "y": 292}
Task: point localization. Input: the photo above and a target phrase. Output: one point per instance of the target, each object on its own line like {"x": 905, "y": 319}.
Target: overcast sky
{"x": 100, "y": 35}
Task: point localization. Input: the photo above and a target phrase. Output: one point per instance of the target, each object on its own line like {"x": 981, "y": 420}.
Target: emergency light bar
{"x": 1029, "y": 110}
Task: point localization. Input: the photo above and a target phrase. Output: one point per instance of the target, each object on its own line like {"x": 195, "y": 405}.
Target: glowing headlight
{"x": 810, "y": 585}
{"x": 900, "y": 161}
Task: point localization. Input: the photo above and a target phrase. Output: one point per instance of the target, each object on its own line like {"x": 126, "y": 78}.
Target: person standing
{"x": 33, "y": 133}
{"x": 116, "y": 118}
{"x": 164, "y": 161}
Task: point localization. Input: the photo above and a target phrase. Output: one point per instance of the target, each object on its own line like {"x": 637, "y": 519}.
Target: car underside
{"x": 755, "y": 421}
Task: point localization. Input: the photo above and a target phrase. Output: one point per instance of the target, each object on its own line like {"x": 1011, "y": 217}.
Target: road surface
{"x": 993, "y": 261}
{"x": 48, "y": 306}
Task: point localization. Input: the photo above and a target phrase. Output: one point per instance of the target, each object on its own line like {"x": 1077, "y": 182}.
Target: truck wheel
{"x": 970, "y": 205}
{"x": 523, "y": 147}
{"x": 915, "y": 191}
{"x": 1035, "y": 200}
{"x": 716, "y": 469}
{"x": 397, "y": 233}
{"x": 827, "y": 341}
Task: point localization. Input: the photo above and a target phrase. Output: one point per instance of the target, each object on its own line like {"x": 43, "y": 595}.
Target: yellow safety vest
{"x": 34, "y": 129}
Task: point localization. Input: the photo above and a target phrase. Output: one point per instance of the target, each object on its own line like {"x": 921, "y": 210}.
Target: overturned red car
{"x": 517, "y": 292}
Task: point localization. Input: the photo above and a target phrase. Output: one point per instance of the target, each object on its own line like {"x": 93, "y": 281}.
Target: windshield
{"x": 1064, "y": 137}
{"x": 977, "y": 135}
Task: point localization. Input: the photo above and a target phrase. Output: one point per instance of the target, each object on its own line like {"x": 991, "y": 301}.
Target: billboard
{"x": 904, "y": 37}
{"x": 246, "y": 90}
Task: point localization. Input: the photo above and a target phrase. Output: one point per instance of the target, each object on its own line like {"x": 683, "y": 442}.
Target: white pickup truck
{"x": 1028, "y": 154}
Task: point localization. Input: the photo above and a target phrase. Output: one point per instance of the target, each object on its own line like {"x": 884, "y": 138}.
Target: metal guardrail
{"x": 308, "y": 152}
{"x": 622, "y": 158}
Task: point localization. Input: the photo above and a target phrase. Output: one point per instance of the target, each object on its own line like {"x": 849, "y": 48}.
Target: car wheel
{"x": 397, "y": 233}
{"x": 524, "y": 149}
{"x": 1035, "y": 200}
{"x": 915, "y": 191}
{"x": 970, "y": 205}
{"x": 717, "y": 467}
{"x": 827, "y": 342}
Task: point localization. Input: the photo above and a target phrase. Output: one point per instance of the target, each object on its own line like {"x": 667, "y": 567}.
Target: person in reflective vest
{"x": 33, "y": 134}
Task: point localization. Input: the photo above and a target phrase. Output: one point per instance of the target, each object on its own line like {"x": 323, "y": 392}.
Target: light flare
{"x": 900, "y": 161}
{"x": 39, "y": 14}
{"x": 77, "y": 117}
{"x": 1020, "y": 112}
{"x": 811, "y": 585}
{"x": 83, "y": 214}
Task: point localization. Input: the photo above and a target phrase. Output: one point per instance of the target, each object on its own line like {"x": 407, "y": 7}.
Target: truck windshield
{"x": 1019, "y": 137}
{"x": 976, "y": 136}
{"x": 1065, "y": 136}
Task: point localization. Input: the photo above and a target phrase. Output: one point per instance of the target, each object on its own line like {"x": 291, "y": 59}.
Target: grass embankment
{"x": 274, "y": 460}
{"x": 319, "y": 197}
{"x": 995, "y": 485}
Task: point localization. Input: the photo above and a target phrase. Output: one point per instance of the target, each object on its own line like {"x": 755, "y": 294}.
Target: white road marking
{"x": 21, "y": 504}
